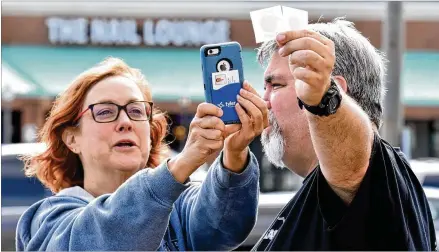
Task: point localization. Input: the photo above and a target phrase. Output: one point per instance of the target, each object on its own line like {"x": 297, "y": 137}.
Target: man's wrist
{"x": 329, "y": 104}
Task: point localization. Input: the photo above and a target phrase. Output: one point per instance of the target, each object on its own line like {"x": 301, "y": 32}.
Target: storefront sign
{"x": 164, "y": 32}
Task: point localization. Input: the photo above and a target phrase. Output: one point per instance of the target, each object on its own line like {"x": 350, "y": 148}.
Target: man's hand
{"x": 311, "y": 59}
{"x": 253, "y": 113}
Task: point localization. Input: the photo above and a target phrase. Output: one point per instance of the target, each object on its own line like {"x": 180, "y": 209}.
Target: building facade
{"x": 45, "y": 45}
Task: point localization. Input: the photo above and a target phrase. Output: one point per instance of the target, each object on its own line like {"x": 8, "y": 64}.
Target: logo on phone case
{"x": 222, "y": 79}
{"x": 229, "y": 104}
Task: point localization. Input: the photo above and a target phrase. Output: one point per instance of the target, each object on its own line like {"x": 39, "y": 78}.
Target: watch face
{"x": 333, "y": 104}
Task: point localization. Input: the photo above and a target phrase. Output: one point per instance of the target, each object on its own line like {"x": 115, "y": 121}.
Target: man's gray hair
{"x": 361, "y": 64}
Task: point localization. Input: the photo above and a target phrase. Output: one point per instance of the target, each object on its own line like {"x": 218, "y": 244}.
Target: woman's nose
{"x": 124, "y": 122}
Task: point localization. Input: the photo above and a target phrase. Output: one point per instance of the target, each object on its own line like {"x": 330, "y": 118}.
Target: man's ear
{"x": 69, "y": 137}
{"x": 341, "y": 81}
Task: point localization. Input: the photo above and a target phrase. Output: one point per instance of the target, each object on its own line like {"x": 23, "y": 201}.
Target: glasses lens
{"x": 105, "y": 112}
{"x": 139, "y": 110}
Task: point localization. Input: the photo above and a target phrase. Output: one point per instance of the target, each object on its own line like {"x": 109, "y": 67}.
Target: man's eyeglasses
{"x": 106, "y": 112}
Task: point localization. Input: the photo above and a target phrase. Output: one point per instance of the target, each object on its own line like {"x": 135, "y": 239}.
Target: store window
{"x": 11, "y": 126}
{"x": 435, "y": 136}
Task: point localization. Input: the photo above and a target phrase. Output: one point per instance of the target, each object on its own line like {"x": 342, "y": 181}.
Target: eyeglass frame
{"x": 119, "y": 108}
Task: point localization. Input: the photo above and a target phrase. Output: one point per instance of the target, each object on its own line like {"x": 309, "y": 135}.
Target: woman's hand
{"x": 206, "y": 136}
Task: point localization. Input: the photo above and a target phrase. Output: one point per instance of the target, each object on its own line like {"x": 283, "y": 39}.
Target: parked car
{"x": 432, "y": 194}
{"x": 427, "y": 171}
{"x": 18, "y": 190}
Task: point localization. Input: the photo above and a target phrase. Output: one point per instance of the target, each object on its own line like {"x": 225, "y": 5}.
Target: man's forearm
{"x": 343, "y": 144}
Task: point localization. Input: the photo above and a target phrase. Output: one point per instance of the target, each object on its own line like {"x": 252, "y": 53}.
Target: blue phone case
{"x": 221, "y": 87}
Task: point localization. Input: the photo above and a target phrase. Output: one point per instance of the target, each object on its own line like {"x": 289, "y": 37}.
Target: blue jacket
{"x": 150, "y": 211}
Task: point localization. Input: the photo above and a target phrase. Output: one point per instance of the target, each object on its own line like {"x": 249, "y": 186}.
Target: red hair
{"x": 58, "y": 167}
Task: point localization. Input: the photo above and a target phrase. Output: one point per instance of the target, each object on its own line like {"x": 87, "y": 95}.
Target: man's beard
{"x": 273, "y": 143}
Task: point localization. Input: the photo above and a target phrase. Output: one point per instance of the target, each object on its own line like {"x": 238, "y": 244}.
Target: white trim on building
{"x": 210, "y": 9}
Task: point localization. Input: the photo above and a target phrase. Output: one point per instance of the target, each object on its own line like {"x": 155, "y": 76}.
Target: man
{"x": 324, "y": 88}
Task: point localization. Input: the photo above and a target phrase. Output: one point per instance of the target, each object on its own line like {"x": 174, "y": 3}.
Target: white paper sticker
{"x": 270, "y": 21}
{"x": 222, "y": 79}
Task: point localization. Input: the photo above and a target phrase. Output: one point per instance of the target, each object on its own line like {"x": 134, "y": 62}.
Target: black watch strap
{"x": 328, "y": 105}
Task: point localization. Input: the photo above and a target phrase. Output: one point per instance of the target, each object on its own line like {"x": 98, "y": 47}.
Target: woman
{"x": 101, "y": 133}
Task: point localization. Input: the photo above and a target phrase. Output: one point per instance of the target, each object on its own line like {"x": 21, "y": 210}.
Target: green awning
{"x": 172, "y": 72}
{"x": 176, "y": 72}
{"x": 13, "y": 84}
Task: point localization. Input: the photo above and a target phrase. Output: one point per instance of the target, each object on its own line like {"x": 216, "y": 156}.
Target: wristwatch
{"x": 328, "y": 105}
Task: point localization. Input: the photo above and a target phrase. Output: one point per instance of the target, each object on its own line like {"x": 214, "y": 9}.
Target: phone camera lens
{"x": 210, "y": 51}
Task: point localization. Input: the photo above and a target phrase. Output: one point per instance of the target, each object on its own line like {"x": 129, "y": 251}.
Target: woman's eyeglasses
{"x": 106, "y": 112}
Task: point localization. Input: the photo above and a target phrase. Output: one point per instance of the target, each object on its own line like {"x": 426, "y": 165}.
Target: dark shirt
{"x": 389, "y": 211}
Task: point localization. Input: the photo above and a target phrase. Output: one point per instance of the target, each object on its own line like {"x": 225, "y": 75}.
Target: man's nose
{"x": 266, "y": 98}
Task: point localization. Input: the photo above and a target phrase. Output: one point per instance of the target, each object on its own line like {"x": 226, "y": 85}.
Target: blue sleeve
{"x": 134, "y": 217}
{"x": 220, "y": 214}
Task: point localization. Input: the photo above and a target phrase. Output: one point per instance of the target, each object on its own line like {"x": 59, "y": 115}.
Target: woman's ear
{"x": 69, "y": 137}
{"x": 341, "y": 81}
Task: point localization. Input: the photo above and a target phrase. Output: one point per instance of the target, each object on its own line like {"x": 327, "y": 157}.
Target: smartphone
{"x": 223, "y": 77}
